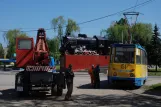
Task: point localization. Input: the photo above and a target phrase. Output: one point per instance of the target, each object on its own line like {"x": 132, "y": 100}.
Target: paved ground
{"x": 83, "y": 95}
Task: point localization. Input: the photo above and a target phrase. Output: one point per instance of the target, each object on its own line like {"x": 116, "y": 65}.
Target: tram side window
{"x": 143, "y": 57}
{"x": 138, "y": 56}
{"x": 112, "y": 54}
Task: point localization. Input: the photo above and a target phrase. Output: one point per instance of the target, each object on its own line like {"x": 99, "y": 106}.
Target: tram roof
{"x": 129, "y": 45}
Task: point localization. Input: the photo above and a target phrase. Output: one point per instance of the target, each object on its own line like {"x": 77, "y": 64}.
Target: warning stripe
{"x": 54, "y": 68}
{"x": 40, "y": 68}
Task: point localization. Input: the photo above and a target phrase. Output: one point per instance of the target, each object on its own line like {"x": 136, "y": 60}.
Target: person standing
{"x": 90, "y": 72}
{"x": 96, "y": 77}
{"x": 69, "y": 75}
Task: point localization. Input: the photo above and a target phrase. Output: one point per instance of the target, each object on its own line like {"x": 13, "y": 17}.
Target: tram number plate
{"x": 123, "y": 66}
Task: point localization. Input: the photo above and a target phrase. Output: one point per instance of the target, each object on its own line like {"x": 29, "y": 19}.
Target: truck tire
{"x": 25, "y": 91}
{"x": 54, "y": 90}
{"x": 19, "y": 94}
{"x": 59, "y": 91}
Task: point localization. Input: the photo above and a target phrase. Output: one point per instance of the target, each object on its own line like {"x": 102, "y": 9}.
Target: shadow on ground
{"x": 10, "y": 94}
{"x": 104, "y": 85}
{"x": 8, "y": 98}
{"x": 155, "y": 91}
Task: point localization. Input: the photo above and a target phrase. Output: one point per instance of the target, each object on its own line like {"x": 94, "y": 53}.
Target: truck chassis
{"x": 27, "y": 82}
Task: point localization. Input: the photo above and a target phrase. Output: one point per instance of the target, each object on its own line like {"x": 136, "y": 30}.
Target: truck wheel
{"x": 18, "y": 93}
{"x": 59, "y": 91}
{"x": 19, "y": 81}
{"x": 22, "y": 94}
{"x": 26, "y": 91}
{"x": 54, "y": 90}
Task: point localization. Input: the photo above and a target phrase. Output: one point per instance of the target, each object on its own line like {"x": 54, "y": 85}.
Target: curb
{"x": 146, "y": 95}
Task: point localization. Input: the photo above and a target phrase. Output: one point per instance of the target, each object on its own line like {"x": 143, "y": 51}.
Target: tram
{"x": 128, "y": 63}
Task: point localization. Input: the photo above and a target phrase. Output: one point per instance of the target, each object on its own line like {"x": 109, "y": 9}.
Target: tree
{"x": 53, "y": 45}
{"x": 71, "y": 27}
{"x": 1, "y": 51}
{"x": 103, "y": 32}
{"x": 116, "y": 32}
{"x": 10, "y": 36}
{"x": 154, "y": 48}
{"x": 140, "y": 32}
{"x": 58, "y": 24}
{"x": 121, "y": 21}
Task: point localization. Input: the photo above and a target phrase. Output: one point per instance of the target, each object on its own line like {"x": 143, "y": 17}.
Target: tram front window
{"x": 124, "y": 55}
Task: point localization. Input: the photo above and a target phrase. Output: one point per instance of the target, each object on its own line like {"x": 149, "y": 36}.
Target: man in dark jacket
{"x": 69, "y": 75}
{"x": 96, "y": 77}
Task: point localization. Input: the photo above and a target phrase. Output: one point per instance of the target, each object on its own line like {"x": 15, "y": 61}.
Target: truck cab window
{"x": 24, "y": 44}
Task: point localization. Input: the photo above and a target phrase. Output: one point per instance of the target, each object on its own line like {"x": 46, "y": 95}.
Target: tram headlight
{"x": 132, "y": 75}
{"x": 114, "y": 74}
{"x": 132, "y": 70}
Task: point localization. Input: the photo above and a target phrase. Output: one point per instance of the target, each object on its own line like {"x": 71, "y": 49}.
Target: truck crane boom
{"x": 41, "y": 51}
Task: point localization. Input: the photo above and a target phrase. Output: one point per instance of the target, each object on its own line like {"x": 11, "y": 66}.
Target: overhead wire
{"x": 116, "y": 12}
{"x": 135, "y": 4}
{"x": 133, "y": 7}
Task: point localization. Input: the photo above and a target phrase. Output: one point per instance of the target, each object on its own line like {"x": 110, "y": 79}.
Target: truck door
{"x": 24, "y": 51}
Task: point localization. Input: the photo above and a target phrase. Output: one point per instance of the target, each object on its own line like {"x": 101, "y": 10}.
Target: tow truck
{"x": 35, "y": 60}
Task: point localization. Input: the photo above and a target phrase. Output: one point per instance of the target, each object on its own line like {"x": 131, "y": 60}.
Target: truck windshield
{"x": 24, "y": 44}
{"x": 124, "y": 55}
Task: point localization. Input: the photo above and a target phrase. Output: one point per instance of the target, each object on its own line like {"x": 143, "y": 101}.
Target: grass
{"x": 153, "y": 87}
{"x": 152, "y": 72}
{"x": 57, "y": 67}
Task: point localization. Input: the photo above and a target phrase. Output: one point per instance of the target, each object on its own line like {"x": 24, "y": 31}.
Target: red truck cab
{"x": 24, "y": 51}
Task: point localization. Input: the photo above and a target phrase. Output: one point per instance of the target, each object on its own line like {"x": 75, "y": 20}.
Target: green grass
{"x": 153, "y": 87}
{"x": 152, "y": 72}
{"x": 57, "y": 67}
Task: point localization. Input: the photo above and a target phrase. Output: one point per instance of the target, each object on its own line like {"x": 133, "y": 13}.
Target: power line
{"x": 133, "y": 7}
{"x": 136, "y": 4}
{"x": 116, "y": 12}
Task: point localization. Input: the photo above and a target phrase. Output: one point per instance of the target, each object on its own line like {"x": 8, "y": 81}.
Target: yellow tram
{"x": 128, "y": 62}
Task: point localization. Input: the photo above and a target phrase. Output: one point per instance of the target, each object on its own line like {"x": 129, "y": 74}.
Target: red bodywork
{"x": 32, "y": 56}
{"x": 24, "y": 56}
{"x": 82, "y": 62}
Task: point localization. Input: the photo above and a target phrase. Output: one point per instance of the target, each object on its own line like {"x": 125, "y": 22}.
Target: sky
{"x": 34, "y": 14}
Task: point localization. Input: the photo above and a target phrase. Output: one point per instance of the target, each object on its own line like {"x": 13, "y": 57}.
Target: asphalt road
{"x": 83, "y": 94}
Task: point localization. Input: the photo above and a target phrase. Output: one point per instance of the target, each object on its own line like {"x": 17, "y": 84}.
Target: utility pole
{"x": 122, "y": 37}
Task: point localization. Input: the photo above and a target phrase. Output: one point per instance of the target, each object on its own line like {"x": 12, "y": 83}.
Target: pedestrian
{"x": 90, "y": 72}
{"x": 96, "y": 77}
{"x": 69, "y": 75}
